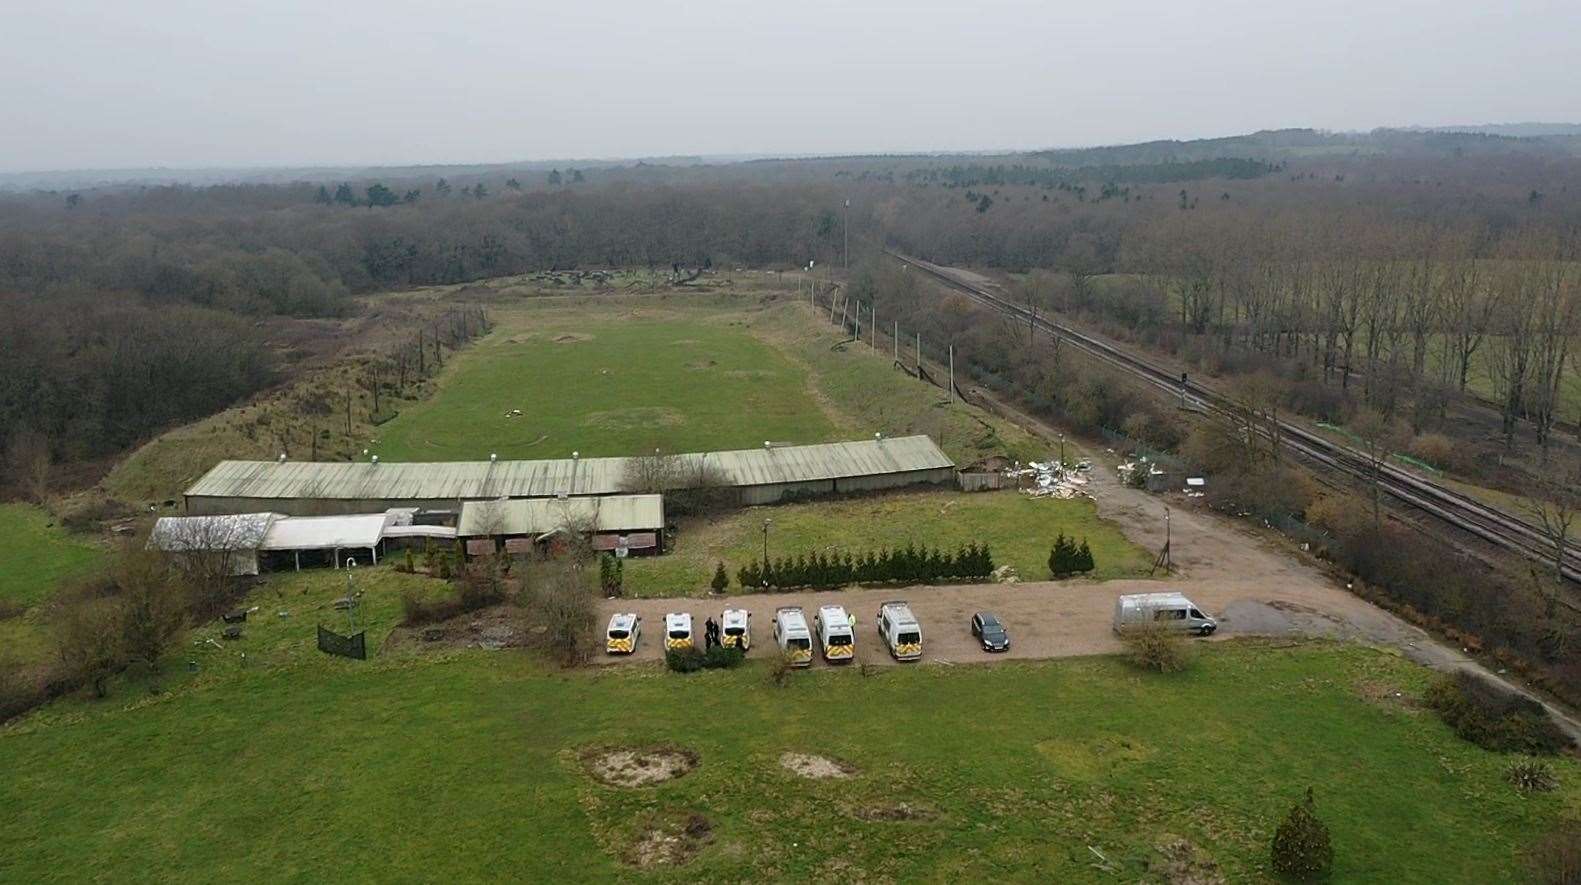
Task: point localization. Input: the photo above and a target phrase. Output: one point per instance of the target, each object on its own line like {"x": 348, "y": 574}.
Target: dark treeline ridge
{"x": 84, "y": 375}
{"x": 974, "y": 175}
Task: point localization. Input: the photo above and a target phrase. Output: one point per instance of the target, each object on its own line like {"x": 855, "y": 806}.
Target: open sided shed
{"x": 237, "y": 537}
{"x": 317, "y": 535}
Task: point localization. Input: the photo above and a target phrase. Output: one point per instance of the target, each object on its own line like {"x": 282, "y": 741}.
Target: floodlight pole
{"x": 896, "y": 339}
{"x": 766, "y": 542}
{"x": 952, "y": 372}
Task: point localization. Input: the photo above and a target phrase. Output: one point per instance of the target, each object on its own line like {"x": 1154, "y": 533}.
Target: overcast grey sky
{"x": 126, "y": 83}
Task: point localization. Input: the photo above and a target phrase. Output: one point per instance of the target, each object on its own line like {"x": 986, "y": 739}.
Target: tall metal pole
{"x": 872, "y": 329}
{"x": 952, "y": 371}
{"x": 919, "y": 354}
{"x": 896, "y": 339}
{"x": 858, "y": 337}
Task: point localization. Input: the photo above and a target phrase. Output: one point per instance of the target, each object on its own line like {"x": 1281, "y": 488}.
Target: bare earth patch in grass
{"x": 633, "y": 767}
{"x": 893, "y": 811}
{"x": 491, "y": 628}
{"x": 815, "y": 767}
{"x": 1389, "y": 697}
{"x": 572, "y": 338}
{"x": 1179, "y": 862}
{"x": 670, "y": 843}
{"x": 635, "y": 418}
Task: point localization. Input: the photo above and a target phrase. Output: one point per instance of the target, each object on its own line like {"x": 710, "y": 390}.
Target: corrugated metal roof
{"x": 325, "y": 532}
{"x": 241, "y": 531}
{"x": 462, "y": 480}
{"x": 530, "y": 516}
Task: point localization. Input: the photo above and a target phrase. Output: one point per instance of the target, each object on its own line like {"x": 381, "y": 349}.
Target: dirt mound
{"x": 638, "y": 766}
{"x": 893, "y": 811}
{"x": 670, "y": 843}
{"x": 815, "y": 767}
{"x": 572, "y": 338}
{"x": 635, "y": 418}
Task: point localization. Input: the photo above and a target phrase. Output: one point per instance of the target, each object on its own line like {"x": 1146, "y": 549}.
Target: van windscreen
{"x": 909, "y": 638}
{"x": 734, "y": 631}
{"x": 798, "y": 643}
{"x": 618, "y": 634}
{"x": 680, "y": 634}
{"x": 839, "y": 640}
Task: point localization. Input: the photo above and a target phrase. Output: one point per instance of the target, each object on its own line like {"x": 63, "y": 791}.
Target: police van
{"x": 621, "y": 637}
{"x": 735, "y": 629}
{"x": 792, "y": 636}
{"x": 678, "y": 630}
{"x": 899, "y": 630}
{"x": 835, "y": 634}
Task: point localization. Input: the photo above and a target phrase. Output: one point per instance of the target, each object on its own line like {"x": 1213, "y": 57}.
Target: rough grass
{"x": 1018, "y": 528}
{"x": 605, "y": 384}
{"x": 300, "y": 763}
{"x": 38, "y": 554}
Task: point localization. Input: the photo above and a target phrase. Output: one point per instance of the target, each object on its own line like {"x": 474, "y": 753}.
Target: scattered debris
{"x": 815, "y": 767}
{"x": 1006, "y": 574}
{"x": 1051, "y": 480}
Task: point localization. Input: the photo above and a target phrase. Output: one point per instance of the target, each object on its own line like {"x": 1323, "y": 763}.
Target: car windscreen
{"x": 994, "y": 631}
{"x": 798, "y": 643}
{"x": 909, "y": 638}
{"x": 618, "y": 634}
{"x": 839, "y": 640}
{"x": 680, "y": 634}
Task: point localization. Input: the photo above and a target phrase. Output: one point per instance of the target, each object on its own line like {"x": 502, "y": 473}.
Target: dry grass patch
{"x": 670, "y": 842}
{"x": 815, "y": 767}
{"x": 632, "y": 767}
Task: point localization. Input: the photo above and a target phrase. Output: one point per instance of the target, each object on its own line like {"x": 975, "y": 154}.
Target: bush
{"x": 1156, "y": 647}
{"x": 1556, "y": 858}
{"x": 417, "y": 609}
{"x": 1435, "y": 449}
{"x": 562, "y": 612}
{"x": 1494, "y": 717}
{"x": 90, "y": 513}
{"x": 1302, "y": 849}
{"x": 779, "y": 672}
{"x": 683, "y": 660}
{"x": 721, "y": 658}
{"x": 482, "y": 586}
{"x": 1531, "y": 776}
{"x": 1067, "y": 558}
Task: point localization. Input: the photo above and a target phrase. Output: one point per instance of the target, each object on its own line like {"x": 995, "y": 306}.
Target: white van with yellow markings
{"x": 790, "y": 632}
{"x": 621, "y": 637}
{"x": 836, "y": 634}
{"x": 735, "y": 629}
{"x": 678, "y": 630}
{"x": 899, "y": 630}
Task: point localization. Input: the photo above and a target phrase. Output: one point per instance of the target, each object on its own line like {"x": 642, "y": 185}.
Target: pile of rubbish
{"x": 1052, "y": 479}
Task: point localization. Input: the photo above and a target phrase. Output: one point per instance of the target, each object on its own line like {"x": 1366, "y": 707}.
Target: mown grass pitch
{"x": 457, "y": 765}
{"x": 606, "y": 384}
{"x": 1018, "y": 528}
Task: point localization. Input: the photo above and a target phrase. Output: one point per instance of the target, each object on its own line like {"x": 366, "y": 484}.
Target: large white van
{"x": 1173, "y": 610}
{"x": 792, "y": 635}
{"x": 835, "y": 634}
{"x": 899, "y": 630}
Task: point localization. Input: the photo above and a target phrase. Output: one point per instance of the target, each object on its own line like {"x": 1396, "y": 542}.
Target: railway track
{"x": 1467, "y": 514}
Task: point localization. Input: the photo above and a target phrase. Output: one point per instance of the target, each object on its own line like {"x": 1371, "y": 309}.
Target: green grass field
{"x": 38, "y": 554}
{"x": 461, "y": 764}
{"x": 606, "y": 384}
{"x": 1020, "y": 530}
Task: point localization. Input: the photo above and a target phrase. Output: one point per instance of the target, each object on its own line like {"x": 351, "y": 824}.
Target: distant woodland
{"x": 1388, "y": 262}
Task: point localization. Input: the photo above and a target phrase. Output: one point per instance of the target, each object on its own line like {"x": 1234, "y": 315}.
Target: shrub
{"x": 1156, "y": 647}
{"x": 1435, "y": 449}
{"x": 482, "y": 586}
{"x": 721, "y": 581}
{"x": 90, "y": 513}
{"x": 1531, "y": 776}
{"x": 779, "y": 672}
{"x": 562, "y": 613}
{"x": 1494, "y": 717}
{"x": 721, "y": 658}
{"x": 683, "y": 660}
{"x": 1556, "y": 858}
{"x": 416, "y": 609}
{"x": 1302, "y": 849}
{"x": 88, "y": 643}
